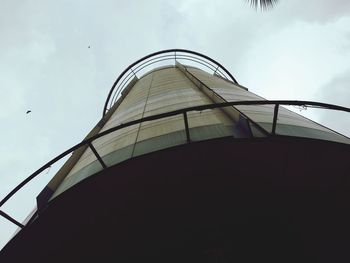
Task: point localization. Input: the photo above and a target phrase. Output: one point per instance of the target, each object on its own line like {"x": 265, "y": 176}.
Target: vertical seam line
{"x": 143, "y": 113}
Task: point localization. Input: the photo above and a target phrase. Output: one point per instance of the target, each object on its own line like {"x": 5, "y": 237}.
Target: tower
{"x": 188, "y": 165}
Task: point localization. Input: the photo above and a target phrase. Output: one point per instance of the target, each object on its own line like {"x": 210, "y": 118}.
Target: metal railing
{"x": 172, "y": 55}
{"x": 183, "y": 112}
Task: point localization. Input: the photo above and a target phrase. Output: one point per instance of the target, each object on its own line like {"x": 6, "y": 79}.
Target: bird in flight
{"x": 88, "y": 46}
{"x": 28, "y": 111}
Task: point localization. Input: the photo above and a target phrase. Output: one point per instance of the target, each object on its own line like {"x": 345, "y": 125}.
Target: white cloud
{"x": 296, "y": 61}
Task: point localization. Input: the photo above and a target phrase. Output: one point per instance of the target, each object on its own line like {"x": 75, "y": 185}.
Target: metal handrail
{"x": 169, "y": 54}
{"x": 183, "y": 111}
{"x": 133, "y": 71}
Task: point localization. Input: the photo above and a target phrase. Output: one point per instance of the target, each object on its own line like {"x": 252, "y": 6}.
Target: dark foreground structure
{"x": 186, "y": 165}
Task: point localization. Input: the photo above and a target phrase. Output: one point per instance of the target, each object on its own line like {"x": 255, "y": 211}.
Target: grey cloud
{"x": 337, "y": 92}
{"x": 338, "y": 85}
{"x": 320, "y": 11}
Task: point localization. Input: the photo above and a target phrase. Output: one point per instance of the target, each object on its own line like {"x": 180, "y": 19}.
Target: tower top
{"x": 168, "y": 56}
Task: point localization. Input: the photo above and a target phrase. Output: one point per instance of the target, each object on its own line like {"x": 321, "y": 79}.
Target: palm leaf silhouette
{"x": 262, "y": 4}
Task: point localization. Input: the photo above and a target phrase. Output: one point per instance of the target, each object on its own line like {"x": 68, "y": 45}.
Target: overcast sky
{"x": 299, "y": 50}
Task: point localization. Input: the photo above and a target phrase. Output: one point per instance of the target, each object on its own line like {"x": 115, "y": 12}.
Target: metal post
{"x": 3, "y": 214}
{"x": 216, "y": 70}
{"x": 133, "y": 72}
{"x": 97, "y": 155}
{"x": 186, "y": 127}
{"x": 274, "y": 123}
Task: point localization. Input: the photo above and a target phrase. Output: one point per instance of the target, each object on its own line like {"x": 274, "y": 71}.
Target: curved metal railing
{"x": 184, "y": 112}
{"x": 174, "y": 55}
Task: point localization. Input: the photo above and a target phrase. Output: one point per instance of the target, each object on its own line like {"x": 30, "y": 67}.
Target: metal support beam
{"x": 186, "y": 127}
{"x": 274, "y": 123}
{"x": 97, "y": 155}
{"x": 133, "y": 72}
{"x": 9, "y": 218}
{"x": 216, "y": 69}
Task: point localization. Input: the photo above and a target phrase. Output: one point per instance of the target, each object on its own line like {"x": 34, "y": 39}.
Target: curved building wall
{"x": 288, "y": 122}
{"x": 176, "y": 87}
{"x": 159, "y": 91}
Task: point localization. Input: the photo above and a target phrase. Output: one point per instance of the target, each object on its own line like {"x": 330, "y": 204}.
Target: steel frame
{"x": 184, "y": 111}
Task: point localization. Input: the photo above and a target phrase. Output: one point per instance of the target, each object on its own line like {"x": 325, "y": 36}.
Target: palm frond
{"x": 262, "y": 4}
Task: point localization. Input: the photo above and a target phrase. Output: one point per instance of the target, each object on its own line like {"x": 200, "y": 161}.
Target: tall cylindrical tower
{"x": 176, "y": 87}
{"x": 187, "y": 164}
